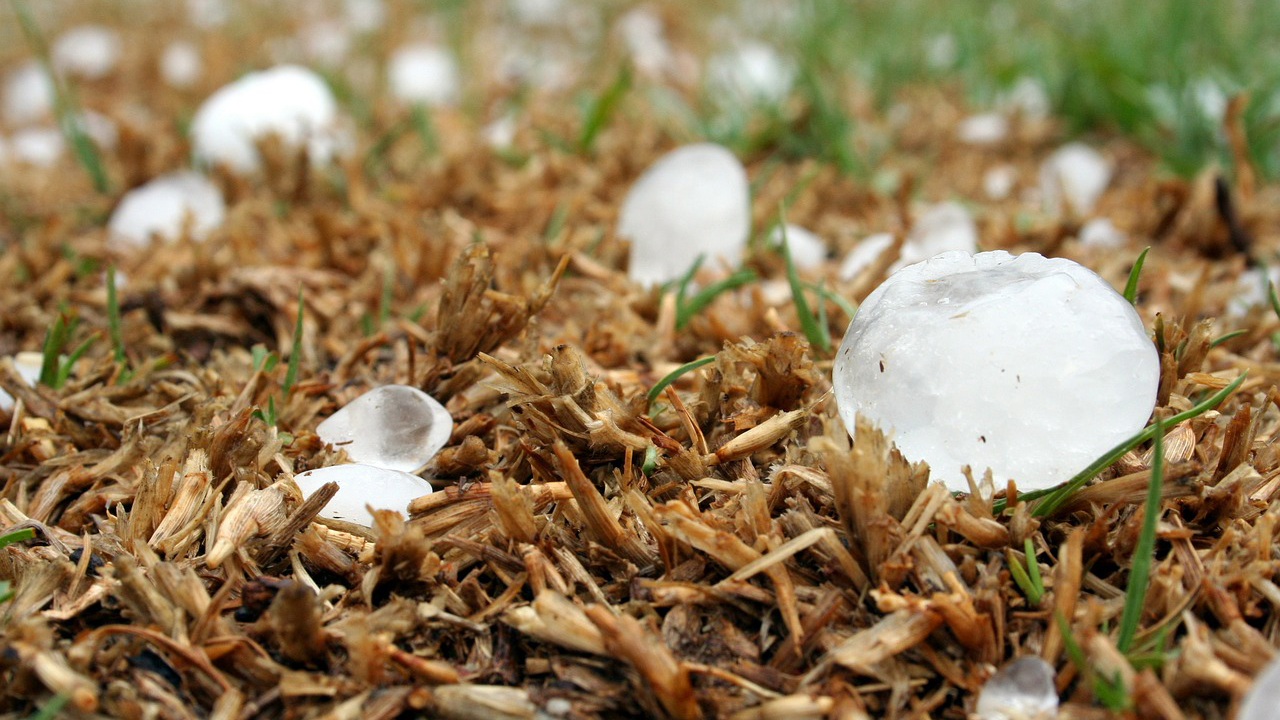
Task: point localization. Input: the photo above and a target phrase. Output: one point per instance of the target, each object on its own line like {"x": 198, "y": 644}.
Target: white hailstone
{"x": 535, "y": 64}
{"x": 808, "y": 251}
{"x": 28, "y": 365}
{"x": 360, "y": 486}
{"x": 208, "y": 14}
{"x": 1027, "y": 365}
{"x": 425, "y": 74}
{"x": 864, "y": 254}
{"x": 501, "y": 133}
{"x": 99, "y": 128}
{"x": 1073, "y": 178}
{"x": 997, "y": 182}
{"x": 1021, "y": 690}
{"x": 694, "y": 201}
{"x": 940, "y": 228}
{"x": 1101, "y": 232}
{"x": 1210, "y": 98}
{"x": 983, "y": 129}
{"x": 37, "y": 146}
{"x": 164, "y": 206}
{"x": 393, "y": 426}
{"x": 940, "y": 51}
{"x": 364, "y": 15}
{"x": 1263, "y": 696}
{"x": 538, "y": 12}
{"x": 326, "y": 42}
{"x": 1026, "y": 96}
{"x": 752, "y": 73}
{"x": 87, "y": 51}
{"x": 642, "y": 34}
{"x": 287, "y": 101}
{"x": 1251, "y": 290}
{"x": 180, "y": 65}
{"x": 28, "y": 94}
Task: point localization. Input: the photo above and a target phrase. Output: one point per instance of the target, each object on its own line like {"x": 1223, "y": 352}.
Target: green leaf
{"x": 650, "y": 460}
{"x": 65, "y": 365}
{"x": 295, "y": 353}
{"x": 113, "y": 327}
{"x": 599, "y": 111}
{"x": 54, "y": 340}
{"x": 1136, "y": 593}
{"x": 1131, "y": 287}
{"x": 1033, "y": 566}
{"x": 674, "y": 375}
{"x": 1021, "y": 579}
{"x": 17, "y": 536}
{"x": 817, "y": 332}
{"x": 1227, "y": 337}
{"x": 686, "y": 311}
{"x": 845, "y": 306}
{"x": 50, "y": 710}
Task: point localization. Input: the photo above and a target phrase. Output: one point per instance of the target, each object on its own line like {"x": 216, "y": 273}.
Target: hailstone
{"x": 361, "y": 485}
{"x": 1030, "y": 366}
{"x": 694, "y": 201}
{"x": 1022, "y": 690}
{"x": 425, "y": 74}
{"x": 1073, "y": 178}
{"x": 163, "y": 207}
{"x": 393, "y": 426}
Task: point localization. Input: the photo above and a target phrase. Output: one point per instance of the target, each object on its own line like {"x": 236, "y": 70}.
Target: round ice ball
{"x": 288, "y": 101}
{"x": 693, "y": 201}
{"x": 1027, "y": 365}
{"x": 425, "y": 74}
{"x": 164, "y": 206}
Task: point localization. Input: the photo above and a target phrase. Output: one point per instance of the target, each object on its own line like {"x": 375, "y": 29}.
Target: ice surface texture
{"x": 164, "y": 206}
{"x": 693, "y": 201}
{"x": 394, "y": 426}
{"x": 360, "y": 485}
{"x": 1028, "y": 365}
{"x": 1262, "y": 702}
{"x": 1021, "y": 690}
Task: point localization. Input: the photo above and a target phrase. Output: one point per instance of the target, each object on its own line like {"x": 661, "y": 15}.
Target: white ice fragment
{"x": 1028, "y": 365}
{"x": 86, "y": 51}
{"x": 326, "y": 42}
{"x": 361, "y": 485}
{"x": 983, "y": 129}
{"x": 1102, "y": 233}
{"x": 1073, "y": 178}
{"x": 1263, "y": 697}
{"x": 693, "y": 201}
{"x": 37, "y": 146}
{"x": 425, "y": 74}
{"x": 208, "y": 14}
{"x": 501, "y": 132}
{"x": 940, "y": 228}
{"x": 751, "y": 73}
{"x": 287, "y": 101}
{"x": 28, "y": 94}
{"x": 808, "y": 251}
{"x": 642, "y": 34}
{"x": 1210, "y": 98}
{"x": 164, "y": 206}
{"x": 99, "y": 128}
{"x": 538, "y": 12}
{"x": 940, "y": 51}
{"x": 864, "y": 254}
{"x": 1026, "y": 96}
{"x": 180, "y": 65}
{"x": 28, "y": 365}
{"x": 364, "y": 15}
{"x": 1021, "y": 690}
{"x": 998, "y": 181}
{"x": 393, "y": 426}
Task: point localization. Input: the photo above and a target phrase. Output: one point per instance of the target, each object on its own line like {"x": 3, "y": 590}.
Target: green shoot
{"x": 650, "y": 461}
{"x": 682, "y": 285}
{"x": 1022, "y": 579}
{"x": 1033, "y": 566}
{"x": 66, "y": 363}
{"x": 54, "y": 340}
{"x": 814, "y": 329}
{"x": 50, "y": 710}
{"x": 423, "y": 126}
{"x": 263, "y": 360}
{"x": 295, "y": 353}
{"x": 599, "y": 110}
{"x": 556, "y": 223}
{"x": 113, "y": 327}
{"x": 1108, "y": 692}
{"x": 267, "y": 416}
{"x": 6, "y": 591}
{"x": 64, "y": 103}
{"x": 1227, "y": 337}
{"x": 1055, "y": 498}
{"x": 1271, "y": 295}
{"x": 674, "y": 375}
{"x": 1131, "y": 287}
{"x": 845, "y": 306}
{"x": 686, "y": 311}
{"x": 1137, "y": 590}
{"x": 17, "y": 536}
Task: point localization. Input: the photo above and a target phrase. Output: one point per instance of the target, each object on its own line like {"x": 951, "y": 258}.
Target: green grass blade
{"x": 113, "y": 325}
{"x": 1054, "y": 498}
{"x": 1033, "y": 566}
{"x": 65, "y": 365}
{"x": 1131, "y": 287}
{"x": 845, "y": 306}
{"x": 50, "y": 710}
{"x": 682, "y": 285}
{"x": 54, "y": 340}
{"x": 817, "y": 332}
{"x": 602, "y": 108}
{"x": 1021, "y": 579}
{"x": 1271, "y": 295}
{"x": 1136, "y": 592}
{"x": 688, "y": 310}
{"x": 17, "y": 536}
{"x": 674, "y": 375}
{"x": 1227, "y": 337}
{"x": 295, "y": 353}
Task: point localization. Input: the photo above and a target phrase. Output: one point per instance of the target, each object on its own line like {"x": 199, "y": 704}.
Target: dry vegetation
{"x": 760, "y": 568}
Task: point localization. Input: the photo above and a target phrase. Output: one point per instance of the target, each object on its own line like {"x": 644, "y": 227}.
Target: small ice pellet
{"x": 393, "y": 426}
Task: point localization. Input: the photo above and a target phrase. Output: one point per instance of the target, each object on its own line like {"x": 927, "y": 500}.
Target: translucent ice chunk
{"x": 940, "y": 228}
{"x": 693, "y": 201}
{"x": 1073, "y": 178}
{"x": 425, "y": 74}
{"x": 360, "y": 485}
{"x": 393, "y": 426}
{"x": 1028, "y": 365}
{"x": 287, "y": 101}
{"x": 863, "y": 254}
{"x": 164, "y": 206}
{"x": 1021, "y": 690}
{"x": 807, "y": 249}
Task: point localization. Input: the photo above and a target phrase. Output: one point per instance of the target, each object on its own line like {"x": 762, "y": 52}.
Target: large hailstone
{"x": 164, "y": 206}
{"x": 1027, "y": 365}
{"x": 424, "y": 74}
{"x": 361, "y": 485}
{"x": 693, "y": 201}
{"x": 287, "y": 101}
{"x": 1073, "y": 178}
{"x": 393, "y": 426}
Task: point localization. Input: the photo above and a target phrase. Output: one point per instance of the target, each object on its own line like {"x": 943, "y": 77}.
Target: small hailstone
{"x": 28, "y": 94}
{"x": 364, "y": 15}
{"x": 808, "y": 251}
{"x": 693, "y": 201}
{"x": 180, "y": 65}
{"x": 1027, "y": 96}
{"x": 751, "y": 73}
{"x": 642, "y": 34}
{"x": 1210, "y": 98}
{"x": 425, "y": 74}
{"x": 361, "y": 485}
{"x": 501, "y": 133}
{"x": 164, "y": 206}
{"x": 287, "y": 101}
{"x": 940, "y": 228}
{"x": 864, "y": 254}
{"x": 1100, "y": 232}
{"x": 208, "y": 14}
{"x": 1075, "y": 176}
{"x": 37, "y": 146}
{"x": 1028, "y": 365}
{"x": 1251, "y": 290}
{"x": 28, "y": 365}
{"x": 1263, "y": 696}
{"x": 983, "y": 129}
{"x": 1021, "y": 690}
{"x": 393, "y": 426}
{"x": 99, "y": 128}
{"x": 326, "y": 42}
{"x": 998, "y": 181}
{"x": 940, "y": 51}
{"x": 87, "y": 51}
